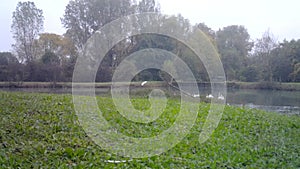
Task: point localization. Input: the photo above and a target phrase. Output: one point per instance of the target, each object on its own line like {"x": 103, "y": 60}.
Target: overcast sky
{"x": 281, "y": 17}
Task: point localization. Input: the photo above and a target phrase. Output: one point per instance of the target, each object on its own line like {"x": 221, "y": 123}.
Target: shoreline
{"x": 232, "y": 85}
{"x": 265, "y": 86}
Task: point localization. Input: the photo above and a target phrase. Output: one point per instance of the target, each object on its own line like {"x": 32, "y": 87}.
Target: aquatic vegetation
{"x": 42, "y": 131}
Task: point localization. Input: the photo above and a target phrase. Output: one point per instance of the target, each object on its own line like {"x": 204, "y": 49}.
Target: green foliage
{"x": 269, "y": 61}
{"x": 263, "y": 53}
{"x": 83, "y": 17}
{"x": 296, "y": 73}
{"x": 170, "y": 66}
{"x": 50, "y": 58}
{"x": 249, "y": 74}
{"x": 61, "y": 46}
{"x": 276, "y": 61}
{"x": 287, "y": 60}
{"x": 234, "y": 46}
{"x": 51, "y": 67}
{"x": 10, "y": 68}
{"x": 7, "y": 58}
{"x": 42, "y": 131}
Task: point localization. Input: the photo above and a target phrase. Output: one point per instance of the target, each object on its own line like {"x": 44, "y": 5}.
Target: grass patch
{"x": 42, "y": 131}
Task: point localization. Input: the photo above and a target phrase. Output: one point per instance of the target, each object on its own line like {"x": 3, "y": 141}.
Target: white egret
{"x": 143, "y": 83}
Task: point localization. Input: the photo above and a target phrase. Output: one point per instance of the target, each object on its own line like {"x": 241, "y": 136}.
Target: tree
{"x": 234, "y": 46}
{"x": 28, "y": 21}
{"x": 6, "y": 58}
{"x": 51, "y": 67}
{"x": 10, "y": 68}
{"x": 83, "y": 17}
{"x": 168, "y": 65}
{"x": 63, "y": 48}
{"x": 285, "y": 61}
{"x": 262, "y": 51}
{"x": 60, "y": 46}
{"x": 148, "y": 6}
{"x": 211, "y": 34}
{"x": 295, "y": 60}
{"x": 249, "y": 74}
{"x": 50, "y": 58}
{"x": 296, "y": 73}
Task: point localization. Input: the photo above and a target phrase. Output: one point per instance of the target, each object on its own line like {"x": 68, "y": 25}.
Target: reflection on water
{"x": 287, "y": 102}
{"x": 265, "y": 97}
{"x": 279, "y": 109}
{"x": 271, "y": 100}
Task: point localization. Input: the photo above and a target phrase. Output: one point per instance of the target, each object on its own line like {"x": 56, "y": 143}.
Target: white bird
{"x": 143, "y": 83}
{"x": 117, "y": 162}
{"x": 221, "y": 97}
{"x": 210, "y": 96}
{"x": 196, "y": 95}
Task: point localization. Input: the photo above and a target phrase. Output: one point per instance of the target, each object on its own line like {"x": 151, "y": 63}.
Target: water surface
{"x": 287, "y": 102}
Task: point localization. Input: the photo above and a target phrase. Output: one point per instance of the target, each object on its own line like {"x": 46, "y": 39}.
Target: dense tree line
{"x": 49, "y": 57}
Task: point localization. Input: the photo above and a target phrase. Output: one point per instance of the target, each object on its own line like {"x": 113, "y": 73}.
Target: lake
{"x": 270, "y": 100}
{"x": 287, "y": 102}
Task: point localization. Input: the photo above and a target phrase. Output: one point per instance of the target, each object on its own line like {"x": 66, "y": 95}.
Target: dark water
{"x": 287, "y": 102}
{"x": 278, "y": 101}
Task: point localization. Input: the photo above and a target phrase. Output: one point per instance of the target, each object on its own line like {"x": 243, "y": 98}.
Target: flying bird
{"x": 143, "y": 83}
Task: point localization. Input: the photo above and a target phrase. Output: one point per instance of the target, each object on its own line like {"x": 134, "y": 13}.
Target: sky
{"x": 282, "y": 18}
